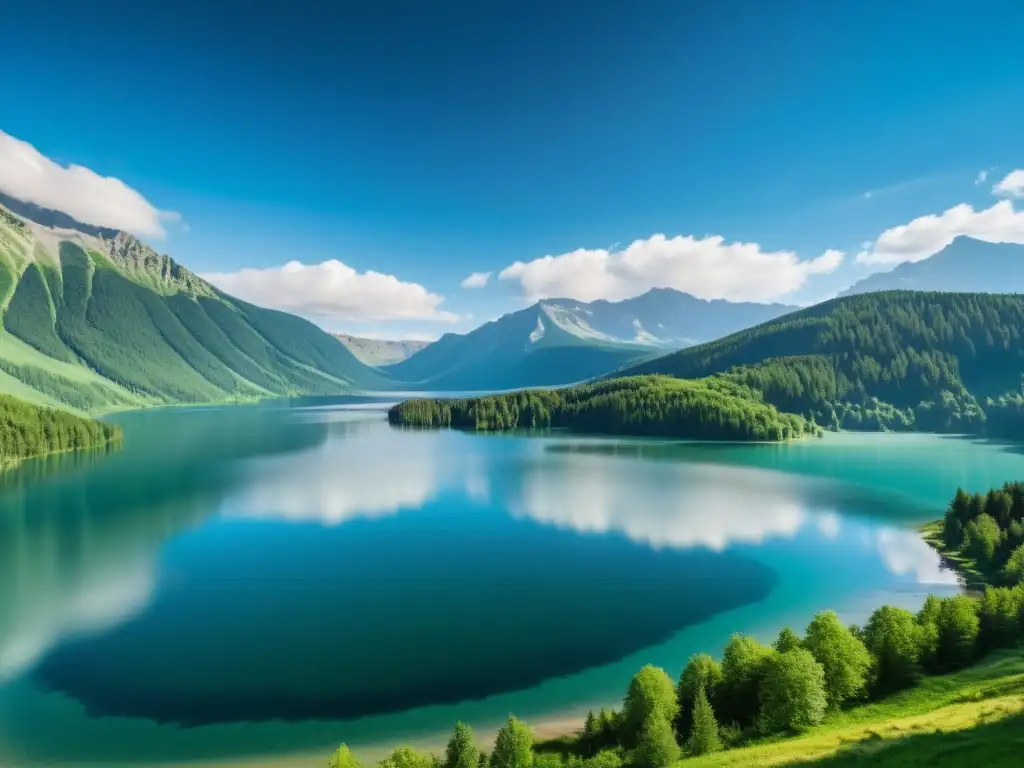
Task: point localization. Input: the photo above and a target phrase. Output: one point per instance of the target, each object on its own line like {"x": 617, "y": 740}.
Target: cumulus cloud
{"x": 333, "y": 290}
{"x": 927, "y": 235}
{"x": 708, "y": 268}
{"x": 1011, "y": 186}
{"x": 476, "y": 280}
{"x": 28, "y": 175}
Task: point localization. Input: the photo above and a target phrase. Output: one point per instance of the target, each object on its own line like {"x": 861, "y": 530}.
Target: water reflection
{"x": 659, "y": 504}
{"x": 906, "y": 554}
{"x": 366, "y": 470}
{"x": 80, "y": 535}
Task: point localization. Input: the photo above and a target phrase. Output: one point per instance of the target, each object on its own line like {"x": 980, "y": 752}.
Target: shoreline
{"x": 974, "y": 582}
{"x": 555, "y": 726}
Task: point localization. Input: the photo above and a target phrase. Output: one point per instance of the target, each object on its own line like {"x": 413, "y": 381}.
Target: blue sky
{"x": 428, "y": 141}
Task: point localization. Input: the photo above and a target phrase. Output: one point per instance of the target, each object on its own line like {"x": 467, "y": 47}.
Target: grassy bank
{"x": 975, "y": 715}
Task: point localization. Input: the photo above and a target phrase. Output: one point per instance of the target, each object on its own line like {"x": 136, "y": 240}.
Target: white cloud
{"x": 927, "y": 235}
{"x": 1011, "y": 186}
{"x": 476, "y": 280}
{"x": 982, "y": 176}
{"x": 708, "y": 268}
{"x": 102, "y": 201}
{"x": 333, "y": 290}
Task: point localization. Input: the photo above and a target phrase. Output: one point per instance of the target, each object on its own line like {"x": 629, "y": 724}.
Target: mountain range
{"x": 966, "y": 264}
{"x": 561, "y": 341}
{"x": 96, "y": 320}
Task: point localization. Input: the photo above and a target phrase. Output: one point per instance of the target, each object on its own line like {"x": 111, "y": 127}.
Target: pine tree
{"x": 590, "y": 733}
{"x": 461, "y": 752}
{"x": 342, "y": 758}
{"x": 704, "y": 734}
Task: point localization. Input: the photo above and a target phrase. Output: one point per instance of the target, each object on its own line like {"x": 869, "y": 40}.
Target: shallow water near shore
{"x": 258, "y": 583}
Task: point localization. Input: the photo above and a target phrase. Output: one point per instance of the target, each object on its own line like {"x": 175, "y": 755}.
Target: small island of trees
{"x": 657, "y": 406}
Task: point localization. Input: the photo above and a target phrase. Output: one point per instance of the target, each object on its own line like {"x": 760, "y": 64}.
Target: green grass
{"x": 973, "y": 715}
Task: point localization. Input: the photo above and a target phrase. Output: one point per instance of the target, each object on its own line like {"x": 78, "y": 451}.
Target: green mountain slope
{"x": 889, "y": 360}
{"x": 562, "y": 341}
{"x": 101, "y": 321}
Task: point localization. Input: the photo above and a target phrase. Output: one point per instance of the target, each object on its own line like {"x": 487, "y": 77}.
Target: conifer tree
{"x": 704, "y": 734}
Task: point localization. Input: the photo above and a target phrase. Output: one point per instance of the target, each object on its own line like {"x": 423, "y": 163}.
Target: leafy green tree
{"x": 704, "y": 731}
{"x": 650, "y": 693}
{"x": 656, "y": 747}
{"x": 1013, "y": 571}
{"x": 461, "y": 752}
{"x": 999, "y": 618}
{"x": 843, "y": 657}
{"x": 743, "y": 665}
{"x": 406, "y": 757}
{"x": 893, "y": 638}
{"x": 982, "y": 537}
{"x": 342, "y": 758}
{"x": 787, "y": 641}
{"x": 950, "y": 627}
{"x": 513, "y": 747}
{"x": 608, "y": 758}
{"x": 793, "y": 694}
{"x": 700, "y": 673}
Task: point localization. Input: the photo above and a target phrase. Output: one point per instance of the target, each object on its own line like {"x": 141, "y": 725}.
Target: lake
{"x": 263, "y": 582}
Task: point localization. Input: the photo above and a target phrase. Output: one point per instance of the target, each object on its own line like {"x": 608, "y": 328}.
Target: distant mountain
{"x": 561, "y": 341}
{"x": 949, "y": 362}
{"x": 379, "y": 352}
{"x": 94, "y": 319}
{"x": 965, "y": 264}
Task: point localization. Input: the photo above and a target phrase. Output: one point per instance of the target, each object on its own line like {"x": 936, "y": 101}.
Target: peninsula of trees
{"x": 983, "y": 534}
{"x": 706, "y": 409}
{"x": 28, "y": 430}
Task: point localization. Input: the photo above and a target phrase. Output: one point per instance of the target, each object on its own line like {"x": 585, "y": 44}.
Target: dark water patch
{"x": 384, "y": 616}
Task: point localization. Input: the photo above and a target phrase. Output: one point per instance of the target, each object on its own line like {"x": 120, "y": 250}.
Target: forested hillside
{"x": 28, "y": 430}
{"x": 650, "y": 405}
{"x": 891, "y": 360}
{"x": 95, "y": 322}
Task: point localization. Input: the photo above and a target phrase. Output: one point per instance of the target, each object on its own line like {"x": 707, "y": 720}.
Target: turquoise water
{"x": 273, "y": 579}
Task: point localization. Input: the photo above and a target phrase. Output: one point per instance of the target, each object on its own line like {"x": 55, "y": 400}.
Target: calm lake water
{"x": 274, "y": 579}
